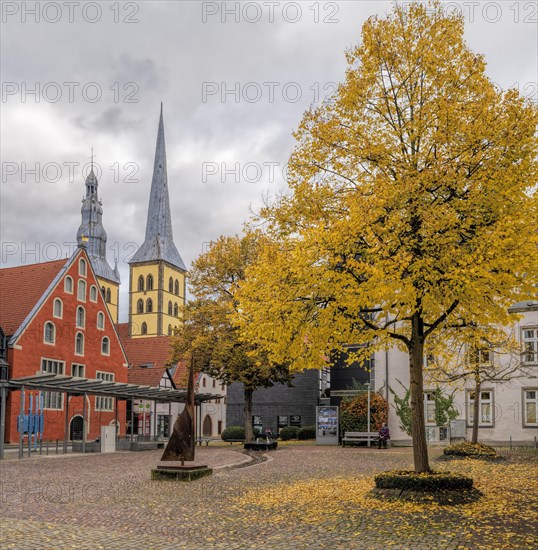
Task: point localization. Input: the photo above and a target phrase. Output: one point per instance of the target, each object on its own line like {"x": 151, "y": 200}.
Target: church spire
{"x": 159, "y": 240}
{"x": 91, "y": 232}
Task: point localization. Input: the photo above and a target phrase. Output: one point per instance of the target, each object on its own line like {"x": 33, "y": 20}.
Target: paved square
{"x": 301, "y": 497}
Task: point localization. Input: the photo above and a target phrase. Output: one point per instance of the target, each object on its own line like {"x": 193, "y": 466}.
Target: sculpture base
{"x": 177, "y": 472}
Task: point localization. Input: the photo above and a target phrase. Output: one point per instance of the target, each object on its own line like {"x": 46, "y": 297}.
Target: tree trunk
{"x": 476, "y": 410}
{"x": 249, "y": 435}
{"x": 416, "y": 362}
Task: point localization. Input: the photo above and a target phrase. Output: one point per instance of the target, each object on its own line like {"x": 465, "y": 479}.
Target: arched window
{"x": 105, "y": 346}
{"x": 68, "y": 285}
{"x": 108, "y": 296}
{"x": 141, "y": 283}
{"x": 81, "y": 317}
{"x": 144, "y": 328}
{"x": 93, "y": 293}
{"x": 149, "y": 305}
{"x": 149, "y": 283}
{"x": 81, "y": 293}
{"x": 140, "y": 306}
{"x": 82, "y": 267}
{"x": 176, "y": 288}
{"x": 171, "y": 285}
{"x": 58, "y": 308}
{"x": 169, "y": 308}
{"x": 169, "y": 330}
{"x": 101, "y": 320}
{"x": 103, "y": 292}
{"x": 176, "y": 310}
{"x": 49, "y": 333}
{"x": 79, "y": 344}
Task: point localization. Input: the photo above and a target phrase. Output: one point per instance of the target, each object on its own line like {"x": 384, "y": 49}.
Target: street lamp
{"x": 368, "y": 415}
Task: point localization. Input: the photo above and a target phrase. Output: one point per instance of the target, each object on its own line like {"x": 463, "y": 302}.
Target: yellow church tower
{"x": 157, "y": 272}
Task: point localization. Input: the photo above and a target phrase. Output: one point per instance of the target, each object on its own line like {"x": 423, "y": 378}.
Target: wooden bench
{"x": 359, "y": 437}
{"x": 207, "y": 440}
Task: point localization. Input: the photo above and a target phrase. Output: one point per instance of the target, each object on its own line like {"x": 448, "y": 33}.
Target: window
{"x": 176, "y": 288}
{"x": 101, "y": 320}
{"x": 52, "y": 400}
{"x": 79, "y": 344}
{"x": 104, "y": 403}
{"x": 213, "y": 383}
{"x": 49, "y": 333}
{"x": 203, "y": 382}
{"x": 105, "y": 346}
{"x": 93, "y": 293}
{"x": 140, "y": 306}
{"x": 219, "y": 427}
{"x": 169, "y": 330}
{"x": 68, "y": 285}
{"x": 429, "y": 408}
{"x": 82, "y": 267}
{"x": 530, "y": 345}
{"x": 530, "y": 407}
{"x": 485, "y": 408}
{"x": 77, "y": 370}
{"x": 176, "y": 310}
{"x": 108, "y": 296}
{"x": 149, "y": 284}
{"x": 140, "y": 283}
{"x": 169, "y": 308}
{"x": 171, "y": 285}
{"x": 58, "y": 308}
{"x": 103, "y": 292}
{"x": 81, "y": 317}
{"x": 144, "y": 328}
{"x": 149, "y": 305}
{"x": 81, "y": 293}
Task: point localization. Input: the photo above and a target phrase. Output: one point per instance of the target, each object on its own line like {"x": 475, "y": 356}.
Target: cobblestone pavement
{"x": 109, "y": 501}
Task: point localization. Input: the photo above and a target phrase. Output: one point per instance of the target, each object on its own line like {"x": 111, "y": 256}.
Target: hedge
{"x": 233, "y": 432}
{"x": 307, "y": 432}
{"x": 470, "y": 450}
{"x": 428, "y": 482}
{"x": 289, "y": 432}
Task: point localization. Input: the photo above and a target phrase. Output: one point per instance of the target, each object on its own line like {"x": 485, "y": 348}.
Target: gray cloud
{"x": 168, "y": 56}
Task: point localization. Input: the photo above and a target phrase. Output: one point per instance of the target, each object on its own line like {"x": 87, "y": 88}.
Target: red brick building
{"x": 56, "y": 321}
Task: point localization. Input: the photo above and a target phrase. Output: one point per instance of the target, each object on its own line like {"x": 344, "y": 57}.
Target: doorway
{"x": 207, "y": 428}
{"x": 75, "y": 430}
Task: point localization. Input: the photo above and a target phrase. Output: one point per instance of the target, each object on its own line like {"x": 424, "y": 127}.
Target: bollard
{"x": 41, "y": 446}
{"x": 510, "y": 441}
{"x": 56, "y": 446}
{"x": 47, "y": 447}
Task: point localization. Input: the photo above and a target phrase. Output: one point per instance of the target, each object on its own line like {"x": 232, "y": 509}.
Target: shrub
{"x": 428, "y": 482}
{"x": 354, "y": 412}
{"x": 470, "y": 450}
{"x": 233, "y": 432}
{"x": 289, "y": 432}
{"x": 308, "y": 432}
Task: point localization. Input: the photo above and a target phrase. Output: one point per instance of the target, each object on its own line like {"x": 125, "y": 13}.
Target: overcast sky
{"x": 234, "y": 87}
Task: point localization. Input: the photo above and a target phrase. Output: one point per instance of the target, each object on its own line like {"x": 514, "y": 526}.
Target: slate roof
{"x": 159, "y": 240}
{"x": 21, "y": 288}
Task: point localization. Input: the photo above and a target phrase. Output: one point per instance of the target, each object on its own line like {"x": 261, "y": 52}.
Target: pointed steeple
{"x": 91, "y": 233}
{"x": 159, "y": 240}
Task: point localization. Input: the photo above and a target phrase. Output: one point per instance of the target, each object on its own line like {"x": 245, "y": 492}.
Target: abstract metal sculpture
{"x": 181, "y": 443}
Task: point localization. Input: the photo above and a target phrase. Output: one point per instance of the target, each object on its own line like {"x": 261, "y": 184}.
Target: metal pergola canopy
{"x": 121, "y": 390}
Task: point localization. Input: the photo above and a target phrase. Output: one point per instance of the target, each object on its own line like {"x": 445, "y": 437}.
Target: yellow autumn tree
{"x": 410, "y": 202}
{"x": 207, "y": 333}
